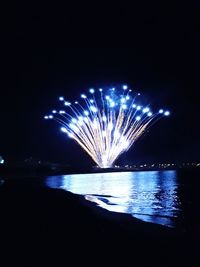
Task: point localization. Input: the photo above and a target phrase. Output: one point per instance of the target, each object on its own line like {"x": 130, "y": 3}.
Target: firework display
{"x": 105, "y": 122}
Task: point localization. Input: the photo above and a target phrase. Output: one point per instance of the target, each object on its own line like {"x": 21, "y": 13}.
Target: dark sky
{"x": 51, "y": 50}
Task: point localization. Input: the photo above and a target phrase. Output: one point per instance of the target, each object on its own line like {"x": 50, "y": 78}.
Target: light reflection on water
{"x": 150, "y": 196}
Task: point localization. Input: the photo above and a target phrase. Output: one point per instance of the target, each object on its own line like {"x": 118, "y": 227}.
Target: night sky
{"x": 50, "y": 51}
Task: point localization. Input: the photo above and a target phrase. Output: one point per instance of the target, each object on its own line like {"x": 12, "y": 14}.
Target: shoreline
{"x": 45, "y": 224}
{"x": 38, "y": 180}
{"x": 96, "y": 207}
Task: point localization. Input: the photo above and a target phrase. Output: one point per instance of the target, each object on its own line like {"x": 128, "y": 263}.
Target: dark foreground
{"x": 43, "y": 227}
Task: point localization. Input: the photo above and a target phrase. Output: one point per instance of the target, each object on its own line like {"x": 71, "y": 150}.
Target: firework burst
{"x": 107, "y": 124}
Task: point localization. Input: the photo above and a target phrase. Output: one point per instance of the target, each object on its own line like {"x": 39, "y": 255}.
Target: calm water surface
{"x": 155, "y": 196}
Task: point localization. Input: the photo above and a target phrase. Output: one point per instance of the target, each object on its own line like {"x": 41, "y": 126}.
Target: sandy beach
{"x": 42, "y": 226}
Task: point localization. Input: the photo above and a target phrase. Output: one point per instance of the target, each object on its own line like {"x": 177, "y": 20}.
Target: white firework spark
{"x": 105, "y": 126}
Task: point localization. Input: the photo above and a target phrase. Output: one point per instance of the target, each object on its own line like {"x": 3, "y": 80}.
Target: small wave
{"x": 97, "y": 195}
{"x": 154, "y": 215}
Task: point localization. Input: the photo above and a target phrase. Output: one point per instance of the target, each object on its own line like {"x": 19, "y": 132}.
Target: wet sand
{"x": 42, "y": 226}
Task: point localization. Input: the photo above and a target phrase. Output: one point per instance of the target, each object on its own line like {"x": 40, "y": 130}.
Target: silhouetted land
{"x": 45, "y": 170}
{"x": 41, "y": 226}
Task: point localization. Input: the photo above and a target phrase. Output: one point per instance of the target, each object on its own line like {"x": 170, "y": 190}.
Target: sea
{"x": 169, "y": 197}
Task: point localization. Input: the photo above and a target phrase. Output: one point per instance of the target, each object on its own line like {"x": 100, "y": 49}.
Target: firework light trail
{"x": 107, "y": 124}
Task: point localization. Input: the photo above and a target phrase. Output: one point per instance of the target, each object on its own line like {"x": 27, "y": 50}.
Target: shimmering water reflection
{"x": 149, "y": 196}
